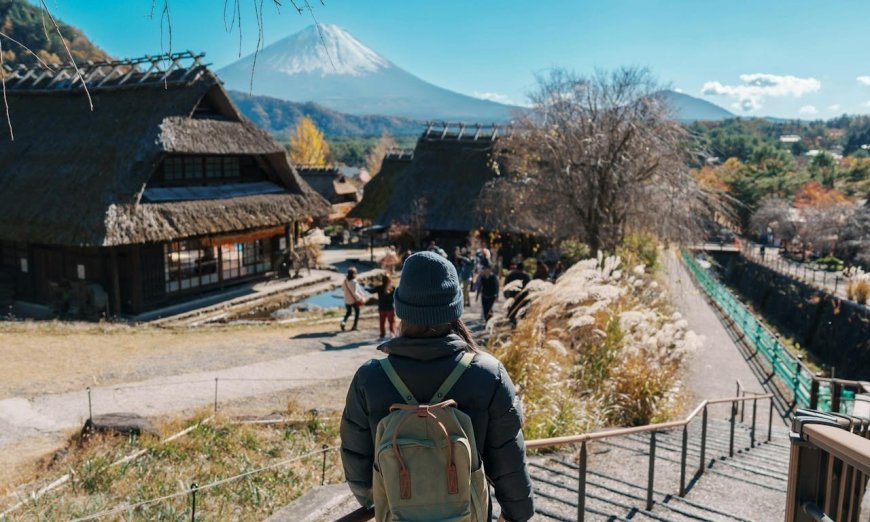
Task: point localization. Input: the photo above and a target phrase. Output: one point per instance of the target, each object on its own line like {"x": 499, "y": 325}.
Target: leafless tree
{"x": 375, "y": 157}
{"x": 596, "y": 157}
{"x": 780, "y": 217}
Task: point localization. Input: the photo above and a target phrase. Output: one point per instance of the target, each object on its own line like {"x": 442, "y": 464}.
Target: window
{"x": 189, "y": 265}
{"x": 231, "y": 167}
{"x": 213, "y": 167}
{"x": 173, "y": 169}
{"x": 208, "y": 170}
{"x": 193, "y": 167}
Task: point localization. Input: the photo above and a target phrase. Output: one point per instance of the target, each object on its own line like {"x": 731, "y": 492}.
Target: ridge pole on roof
{"x": 131, "y": 72}
{"x": 444, "y": 132}
{"x": 154, "y": 65}
{"x": 461, "y": 130}
{"x": 428, "y": 129}
{"x": 477, "y": 132}
{"x": 494, "y": 132}
{"x": 61, "y": 75}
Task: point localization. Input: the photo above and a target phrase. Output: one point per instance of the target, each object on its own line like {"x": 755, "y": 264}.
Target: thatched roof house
{"x": 379, "y": 190}
{"x": 163, "y": 170}
{"x": 335, "y": 187}
{"x": 450, "y": 166}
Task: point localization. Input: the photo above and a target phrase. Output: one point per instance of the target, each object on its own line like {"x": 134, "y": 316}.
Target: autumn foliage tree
{"x": 307, "y": 144}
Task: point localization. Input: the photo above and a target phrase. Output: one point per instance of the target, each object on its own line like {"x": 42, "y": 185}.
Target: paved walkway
{"x": 718, "y": 363}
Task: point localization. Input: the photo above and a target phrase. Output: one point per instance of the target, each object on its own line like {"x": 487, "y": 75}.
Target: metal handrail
{"x": 617, "y": 432}
{"x": 794, "y": 373}
{"x": 365, "y": 514}
{"x": 829, "y": 467}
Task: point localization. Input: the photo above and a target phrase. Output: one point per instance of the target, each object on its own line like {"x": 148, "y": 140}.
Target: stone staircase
{"x": 747, "y": 487}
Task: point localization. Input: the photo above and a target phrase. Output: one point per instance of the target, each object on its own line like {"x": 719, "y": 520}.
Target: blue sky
{"x": 786, "y": 59}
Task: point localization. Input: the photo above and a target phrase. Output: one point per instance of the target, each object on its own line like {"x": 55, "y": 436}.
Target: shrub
{"x": 573, "y": 251}
{"x": 858, "y": 291}
{"x": 830, "y": 263}
{"x": 597, "y": 348}
{"x": 640, "y": 247}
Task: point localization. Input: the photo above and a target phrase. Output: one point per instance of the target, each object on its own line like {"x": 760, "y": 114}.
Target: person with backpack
{"x": 425, "y": 428}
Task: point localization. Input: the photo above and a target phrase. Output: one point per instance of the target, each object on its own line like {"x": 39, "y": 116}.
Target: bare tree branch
{"x": 69, "y": 53}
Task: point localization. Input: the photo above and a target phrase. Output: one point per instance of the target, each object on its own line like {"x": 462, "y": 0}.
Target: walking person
{"x": 487, "y": 291}
{"x": 466, "y": 394}
{"x": 386, "y": 309}
{"x": 354, "y": 297}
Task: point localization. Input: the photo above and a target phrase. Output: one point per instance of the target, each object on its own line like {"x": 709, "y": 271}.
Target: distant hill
{"x": 332, "y": 68}
{"x": 24, "y": 22}
{"x": 279, "y": 117}
{"x": 689, "y": 109}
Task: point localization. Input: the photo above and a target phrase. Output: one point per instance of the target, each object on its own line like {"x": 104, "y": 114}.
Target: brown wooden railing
{"x": 829, "y": 467}
{"x": 365, "y": 514}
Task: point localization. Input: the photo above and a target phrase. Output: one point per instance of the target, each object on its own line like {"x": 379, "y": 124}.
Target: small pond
{"x": 326, "y": 299}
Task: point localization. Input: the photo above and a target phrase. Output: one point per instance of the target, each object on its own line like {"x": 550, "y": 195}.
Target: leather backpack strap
{"x": 461, "y": 366}
{"x": 403, "y": 390}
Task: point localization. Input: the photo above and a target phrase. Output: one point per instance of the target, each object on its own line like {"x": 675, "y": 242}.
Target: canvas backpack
{"x": 426, "y": 465}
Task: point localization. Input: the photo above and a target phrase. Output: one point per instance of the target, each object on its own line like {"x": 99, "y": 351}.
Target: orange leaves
{"x": 813, "y": 194}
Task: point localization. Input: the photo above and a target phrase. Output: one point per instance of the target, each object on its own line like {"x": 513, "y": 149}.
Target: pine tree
{"x": 307, "y": 144}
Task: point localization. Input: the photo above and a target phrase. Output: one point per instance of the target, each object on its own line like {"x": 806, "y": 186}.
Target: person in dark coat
{"x": 487, "y": 291}
{"x": 432, "y": 339}
{"x": 386, "y": 311}
{"x": 516, "y": 274}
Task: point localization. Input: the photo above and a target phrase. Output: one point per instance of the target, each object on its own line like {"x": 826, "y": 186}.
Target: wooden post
{"x": 220, "y": 250}
{"x": 116, "y": 282}
{"x": 136, "y": 269}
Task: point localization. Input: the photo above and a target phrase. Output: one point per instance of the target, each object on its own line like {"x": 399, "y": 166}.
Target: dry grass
{"x": 212, "y": 451}
{"x": 56, "y": 356}
{"x": 598, "y": 348}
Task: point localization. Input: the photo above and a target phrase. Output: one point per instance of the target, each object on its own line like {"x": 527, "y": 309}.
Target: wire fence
{"x": 807, "y": 390}
{"x": 196, "y": 489}
{"x": 813, "y": 274}
{"x": 215, "y": 382}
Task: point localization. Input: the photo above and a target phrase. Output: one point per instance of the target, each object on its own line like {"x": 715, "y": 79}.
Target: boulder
{"x": 119, "y": 424}
{"x": 319, "y": 504}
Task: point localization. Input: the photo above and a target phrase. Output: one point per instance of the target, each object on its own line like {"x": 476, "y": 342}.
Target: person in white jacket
{"x": 354, "y": 297}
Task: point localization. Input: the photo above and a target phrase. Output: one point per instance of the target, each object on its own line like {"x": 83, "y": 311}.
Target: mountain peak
{"x": 324, "y": 49}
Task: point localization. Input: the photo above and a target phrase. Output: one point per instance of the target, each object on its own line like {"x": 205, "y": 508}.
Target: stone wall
{"x": 835, "y": 331}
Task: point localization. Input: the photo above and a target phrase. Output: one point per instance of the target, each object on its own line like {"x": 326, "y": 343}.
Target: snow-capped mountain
{"x": 331, "y": 67}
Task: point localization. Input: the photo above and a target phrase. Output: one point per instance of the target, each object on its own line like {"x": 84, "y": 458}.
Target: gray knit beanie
{"x": 429, "y": 292}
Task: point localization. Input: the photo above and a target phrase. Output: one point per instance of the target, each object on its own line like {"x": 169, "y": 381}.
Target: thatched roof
{"x": 449, "y": 169}
{"x": 75, "y": 177}
{"x": 330, "y": 183}
{"x": 379, "y": 190}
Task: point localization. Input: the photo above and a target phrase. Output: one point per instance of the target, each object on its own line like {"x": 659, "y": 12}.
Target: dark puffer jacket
{"x": 484, "y": 392}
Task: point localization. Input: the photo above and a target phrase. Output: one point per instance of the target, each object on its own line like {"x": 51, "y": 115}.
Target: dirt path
{"x": 718, "y": 363}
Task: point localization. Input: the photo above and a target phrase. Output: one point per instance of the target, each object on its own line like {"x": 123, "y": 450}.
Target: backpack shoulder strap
{"x": 397, "y": 381}
{"x": 461, "y": 366}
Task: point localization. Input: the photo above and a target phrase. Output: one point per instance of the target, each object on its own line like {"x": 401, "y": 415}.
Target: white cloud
{"x": 834, "y": 107}
{"x": 808, "y": 109}
{"x": 677, "y": 89}
{"x": 751, "y": 93}
{"x": 494, "y": 96}
{"x": 864, "y": 80}
{"x": 866, "y": 104}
